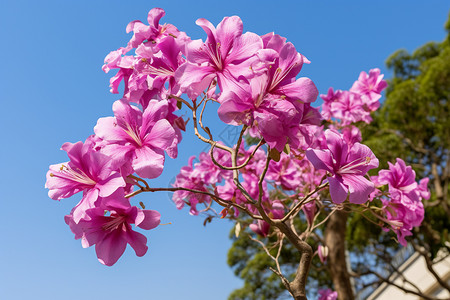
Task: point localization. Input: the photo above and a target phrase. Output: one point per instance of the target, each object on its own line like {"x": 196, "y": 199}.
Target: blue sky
{"x": 53, "y": 90}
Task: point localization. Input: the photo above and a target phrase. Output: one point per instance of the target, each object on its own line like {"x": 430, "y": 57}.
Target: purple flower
{"x": 284, "y": 64}
{"x": 108, "y": 227}
{"x": 139, "y": 137}
{"x": 370, "y": 87}
{"x": 150, "y": 33}
{"x": 286, "y": 172}
{"x": 88, "y": 171}
{"x": 347, "y": 165}
{"x": 327, "y": 294}
{"x": 401, "y": 180}
{"x": 224, "y": 55}
{"x": 187, "y": 179}
{"x": 404, "y": 210}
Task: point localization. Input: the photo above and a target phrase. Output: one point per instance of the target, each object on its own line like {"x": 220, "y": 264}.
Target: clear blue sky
{"x": 52, "y": 90}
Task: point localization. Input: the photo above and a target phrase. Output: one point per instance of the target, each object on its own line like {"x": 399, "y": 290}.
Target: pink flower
{"x": 88, "y": 171}
{"x": 402, "y": 183}
{"x": 327, "y": 294}
{"x": 309, "y": 209}
{"x": 262, "y": 227}
{"x": 111, "y": 232}
{"x": 347, "y": 165}
{"x": 285, "y": 173}
{"x": 349, "y": 109}
{"x": 138, "y": 137}
{"x": 187, "y": 179}
{"x": 277, "y": 120}
{"x": 284, "y": 64}
{"x": 151, "y": 33}
{"x": 370, "y": 87}
{"x": 404, "y": 210}
{"x": 328, "y": 99}
{"x": 224, "y": 55}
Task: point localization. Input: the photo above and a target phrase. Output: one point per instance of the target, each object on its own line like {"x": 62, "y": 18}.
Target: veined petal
{"x": 244, "y": 47}
{"x": 321, "y": 159}
{"x": 302, "y": 89}
{"x": 111, "y": 248}
{"x": 359, "y": 188}
{"x": 338, "y": 191}
{"x": 155, "y": 110}
{"x": 137, "y": 241}
{"x": 87, "y": 202}
{"x": 127, "y": 116}
{"x": 208, "y": 28}
{"x": 291, "y": 61}
{"x": 108, "y": 130}
{"x": 338, "y": 148}
{"x": 110, "y": 185}
{"x": 161, "y": 136}
{"x": 195, "y": 52}
{"x": 75, "y": 153}
{"x": 194, "y": 79}
{"x": 148, "y": 163}
{"x": 227, "y": 32}
{"x": 154, "y": 15}
{"x": 148, "y": 219}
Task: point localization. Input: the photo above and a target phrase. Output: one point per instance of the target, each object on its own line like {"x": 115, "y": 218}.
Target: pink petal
{"x": 148, "y": 219}
{"x": 108, "y": 129}
{"x": 154, "y": 15}
{"x": 302, "y": 89}
{"x": 161, "y": 136}
{"x": 359, "y": 188}
{"x": 321, "y": 159}
{"x": 227, "y": 32}
{"x": 110, "y": 249}
{"x": 338, "y": 191}
{"x": 110, "y": 184}
{"x": 137, "y": 241}
{"x": 148, "y": 163}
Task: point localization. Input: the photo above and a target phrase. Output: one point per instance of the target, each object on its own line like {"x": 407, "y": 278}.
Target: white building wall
{"x": 416, "y": 271}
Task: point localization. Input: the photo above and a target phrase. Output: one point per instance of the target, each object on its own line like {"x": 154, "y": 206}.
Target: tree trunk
{"x": 337, "y": 262}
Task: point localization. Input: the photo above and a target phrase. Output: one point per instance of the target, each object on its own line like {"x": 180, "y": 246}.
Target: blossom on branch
{"x": 346, "y": 165}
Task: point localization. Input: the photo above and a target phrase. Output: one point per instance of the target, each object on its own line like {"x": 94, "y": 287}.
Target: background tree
{"x": 413, "y": 123}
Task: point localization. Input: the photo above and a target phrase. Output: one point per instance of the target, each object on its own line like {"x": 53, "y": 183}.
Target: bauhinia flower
{"x": 327, "y": 294}
{"x": 346, "y": 165}
{"x": 370, "y": 87}
{"x": 224, "y": 55}
{"x": 108, "y": 227}
{"x": 88, "y": 171}
{"x": 138, "y": 137}
{"x": 404, "y": 210}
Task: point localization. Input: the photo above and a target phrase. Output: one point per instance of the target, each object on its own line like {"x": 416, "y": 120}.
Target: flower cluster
{"x": 254, "y": 80}
{"x": 404, "y": 208}
{"x": 356, "y": 104}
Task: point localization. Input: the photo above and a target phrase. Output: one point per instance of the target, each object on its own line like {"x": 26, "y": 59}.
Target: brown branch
{"x": 429, "y": 264}
{"x": 181, "y": 100}
{"x": 297, "y": 286}
{"x": 300, "y": 203}
{"x": 408, "y": 291}
{"x": 261, "y": 142}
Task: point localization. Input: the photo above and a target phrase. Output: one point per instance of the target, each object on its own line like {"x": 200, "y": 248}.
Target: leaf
{"x": 274, "y": 154}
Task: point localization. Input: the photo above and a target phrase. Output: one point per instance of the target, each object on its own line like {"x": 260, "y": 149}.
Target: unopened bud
{"x": 323, "y": 253}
